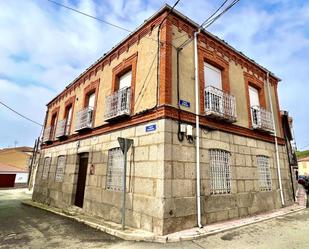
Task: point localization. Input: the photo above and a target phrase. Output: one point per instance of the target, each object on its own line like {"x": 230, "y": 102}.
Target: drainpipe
{"x": 276, "y": 141}
{"x": 197, "y": 120}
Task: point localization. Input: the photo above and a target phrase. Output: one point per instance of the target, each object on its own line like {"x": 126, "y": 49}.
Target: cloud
{"x": 43, "y": 47}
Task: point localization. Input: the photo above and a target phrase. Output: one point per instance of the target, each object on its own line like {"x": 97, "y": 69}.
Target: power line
{"x": 88, "y": 15}
{"x": 214, "y": 13}
{"x": 158, "y": 50}
{"x": 205, "y": 20}
{"x": 210, "y": 20}
{"x": 97, "y": 19}
{"x": 23, "y": 116}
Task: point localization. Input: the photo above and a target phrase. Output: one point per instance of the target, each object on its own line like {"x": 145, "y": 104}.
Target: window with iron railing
{"x": 60, "y": 169}
{"x": 48, "y": 134}
{"x": 261, "y": 119}
{"x": 264, "y": 172}
{"x": 115, "y": 167}
{"x": 220, "y": 171}
{"x": 84, "y": 119}
{"x": 118, "y": 104}
{"x": 46, "y": 166}
{"x": 220, "y": 104}
{"x": 61, "y": 129}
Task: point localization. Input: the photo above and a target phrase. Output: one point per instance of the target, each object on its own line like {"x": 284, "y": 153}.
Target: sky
{"x": 43, "y": 47}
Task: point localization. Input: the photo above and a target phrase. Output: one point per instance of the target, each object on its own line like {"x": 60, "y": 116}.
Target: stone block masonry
{"x": 161, "y": 178}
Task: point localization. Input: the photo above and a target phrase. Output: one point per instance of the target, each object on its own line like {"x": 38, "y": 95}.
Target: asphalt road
{"x": 27, "y": 227}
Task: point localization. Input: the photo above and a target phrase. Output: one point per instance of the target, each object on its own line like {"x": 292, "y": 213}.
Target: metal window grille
{"x": 63, "y": 128}
{"x": 48, "y": 134}
{"x": 261, "y": 119}
{"x": 220, "y": 103}
{"x": 264, "y": 171}
{"x": 60, "y": 168}
{"x": 46, "y": 166}
{"x": 115, "y": 167}
{"x": 220, "y": 171}
{"x": 84, "y": 118}
{"x": 118, "y": 103}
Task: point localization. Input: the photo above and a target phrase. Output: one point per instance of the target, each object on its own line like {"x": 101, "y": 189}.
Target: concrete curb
{"x": 190, "y": 234}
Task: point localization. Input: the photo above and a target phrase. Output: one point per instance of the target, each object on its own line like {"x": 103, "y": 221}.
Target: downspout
{"x": 276, "y": 141}
{"x": 197, "y": 121}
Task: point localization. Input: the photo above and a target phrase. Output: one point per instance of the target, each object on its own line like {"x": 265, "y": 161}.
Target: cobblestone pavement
{"x": 26, "y": 227}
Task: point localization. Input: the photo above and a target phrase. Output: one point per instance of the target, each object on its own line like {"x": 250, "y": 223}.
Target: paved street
{"x": 27, "y": 227}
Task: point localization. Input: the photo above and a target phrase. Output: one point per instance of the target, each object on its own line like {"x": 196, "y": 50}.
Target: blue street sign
{"x": 184, "y": 103}
{"x": 152, "y": 127}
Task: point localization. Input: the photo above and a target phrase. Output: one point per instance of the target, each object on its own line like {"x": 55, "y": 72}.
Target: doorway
{"x": 81, "y": 180}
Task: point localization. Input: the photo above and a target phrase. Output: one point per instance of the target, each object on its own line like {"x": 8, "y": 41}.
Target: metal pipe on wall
{"x": 276, "y": 141}
{"x": 197, "y": 120}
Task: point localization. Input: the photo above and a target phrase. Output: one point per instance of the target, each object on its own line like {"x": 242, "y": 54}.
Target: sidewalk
{"x": 190, "y": 234}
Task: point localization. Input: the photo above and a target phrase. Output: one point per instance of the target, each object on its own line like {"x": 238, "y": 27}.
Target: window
{"x": 53, "y": 126}
{"x": 254, "y": 96}
{"x": 60, "y": 169}
{"x": 125, "y": 80}
{"x": 46, "y": 166}
{"x": 91, "y": 99}
{"x": 68, "y": 119}
{"x": 115, "y": 166}
{"x": 254, "y": 105}
{"x": 264, "y": 172}
{"x": 212, "y": 76}
{"x": 220, "y": 171}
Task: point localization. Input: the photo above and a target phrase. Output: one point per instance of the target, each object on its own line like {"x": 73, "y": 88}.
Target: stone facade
{"x": 161, "y": 175}
{"x": 161, "y": 190}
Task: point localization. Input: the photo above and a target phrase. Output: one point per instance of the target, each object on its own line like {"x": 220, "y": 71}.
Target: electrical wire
{"x": 144, "y": 81}
{"x": 21, "y": 115}
{"x": 210, "y": 20}
{"x": 88, "y": 15}
{"x": 97, "y": 19}
{"x": 158, "y": 50}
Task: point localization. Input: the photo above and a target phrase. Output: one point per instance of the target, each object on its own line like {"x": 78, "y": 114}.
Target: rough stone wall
{"x": 145, "y": 177}
{"x": 161, "y": 178}
{"x": 245, "y": 197}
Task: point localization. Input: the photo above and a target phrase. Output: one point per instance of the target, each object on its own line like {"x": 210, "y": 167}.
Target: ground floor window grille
{"x": 60, "y": 168}
{"x": 115, "y": 167}
{"x": 46, "y": 166}
{"x": 264, "y": 171}
{"x": 220, "y": 171}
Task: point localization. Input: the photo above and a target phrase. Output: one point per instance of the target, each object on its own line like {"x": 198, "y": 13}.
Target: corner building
{"x": 120, "y": 96}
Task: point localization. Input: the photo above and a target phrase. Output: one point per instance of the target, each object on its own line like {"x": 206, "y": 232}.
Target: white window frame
{"x": 115, "y": 167}
{"x": 60, "y": 168}
{"x": 254, "y": 96}
{"x": 220, "y": 171}
{"x": 211, "y": 72}
{"x": 125, "y": 80}
{"x": 46, "y": 167}
{"x": 264, "y": 173}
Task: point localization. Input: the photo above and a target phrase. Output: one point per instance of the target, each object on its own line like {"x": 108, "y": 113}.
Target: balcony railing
{"x": 84, "y": 119}
{"x": 219, "y": 104}
{"x": 261, "y": 119}
{"x": 48, "y": 134}
{"x": 118, "y": 104}
{"x": 63, "y": 128}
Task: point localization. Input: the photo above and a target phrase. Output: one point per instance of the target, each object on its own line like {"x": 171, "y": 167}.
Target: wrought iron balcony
{"x": 84, "y": 119}
{"x": 48, "y": 134}
{"x": 261, "y": 119}
{"x": 118, "y": 104}
{"x": 219, "y": 104}
{"x": 63, "y": 128}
